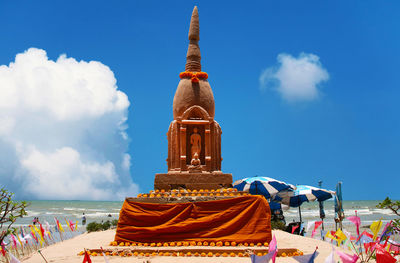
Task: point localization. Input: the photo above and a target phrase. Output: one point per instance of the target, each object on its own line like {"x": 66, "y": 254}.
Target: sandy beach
{"x": 67, "y": 251}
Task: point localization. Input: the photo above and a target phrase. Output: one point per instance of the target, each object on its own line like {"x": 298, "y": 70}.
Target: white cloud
{"x": 62, "y": 129}
{"x": 296, "y": 79}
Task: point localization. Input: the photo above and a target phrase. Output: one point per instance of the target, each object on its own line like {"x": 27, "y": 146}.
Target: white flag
{"x": 309, "y": 225}
{"x": 13, "y": 259}
{"x": 331, "y": 257}
{"x": 105, "y": 258}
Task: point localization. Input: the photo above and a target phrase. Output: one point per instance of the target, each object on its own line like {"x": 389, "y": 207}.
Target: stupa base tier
{"x": 192, "y": 181}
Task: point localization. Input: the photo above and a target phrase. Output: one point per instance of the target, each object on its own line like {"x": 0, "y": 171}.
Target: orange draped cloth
{"x": 240, "y": 219}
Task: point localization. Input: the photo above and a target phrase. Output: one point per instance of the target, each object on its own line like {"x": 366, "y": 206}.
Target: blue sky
{"x": 350, "y": 132}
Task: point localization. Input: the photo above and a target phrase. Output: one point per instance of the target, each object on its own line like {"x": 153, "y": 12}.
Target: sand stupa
{"x": 194, "y": 202}
{"x": 194, "y": 137}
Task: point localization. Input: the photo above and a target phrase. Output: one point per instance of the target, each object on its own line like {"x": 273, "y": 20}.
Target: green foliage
{"x": 395, "y": 207}
{"x": 278, "y": 224}
{"x": 94, "y": 226}
{"x": 10, "y": 211}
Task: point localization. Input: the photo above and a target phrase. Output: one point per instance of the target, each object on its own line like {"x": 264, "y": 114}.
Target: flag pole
{"x": 42, "y": 255}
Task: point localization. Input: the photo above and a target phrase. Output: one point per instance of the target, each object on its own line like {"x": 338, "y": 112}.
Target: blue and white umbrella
{"x": 303, "y": 193}
{"x": 265, "y": 186}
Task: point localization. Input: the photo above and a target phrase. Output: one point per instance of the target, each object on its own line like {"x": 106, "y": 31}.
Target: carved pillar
{"x": 207, "y": 135}
{"x": 183, "y": 154}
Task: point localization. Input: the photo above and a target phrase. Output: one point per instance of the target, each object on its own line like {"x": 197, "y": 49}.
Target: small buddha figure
{"x": 195, "y": 141}
{"x": 195, "y": 164}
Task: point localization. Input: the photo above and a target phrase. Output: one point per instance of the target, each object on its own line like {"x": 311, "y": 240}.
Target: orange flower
{"x": 195, "y": 80}
{"x": 240, "y": 244}
{"x": 174, "y": 254}
{"x": 178, "y": 244}
{"x": 129, "y": 254}
{"x": 147, "y": 254}
{"x": 154, "y": 254}
{"x": 217, "y": 254}
{"x": 185, "y": 243}
{"x": 166, "y": 254}
{"x": 141, "y": 254}
{"x": 283, "y": 254}
{"x": 205, "y": 243}
{"x": 145, "y": 244}
{"x": 240, "y": 254}
{"x": 153, "y": 244}
{"x": 232, "y": 254}
{"x": 266, "y": 244}
{"x": 227, "y": 244}
{"x": 233, "y": 243}
{"x": 259, "y": 244}
{"x": 246, "y": 244}
{"x": 196, "y": 254}
{"x": 210, "y": 254}
{"x": 172, "y": 244}
{"x": 203, "y": 254}
{"x": 107, "y": 253}
{"x": 160, "y": 253}
{"x": 259, "y": 254}
{"x": 122, "y": 244}
{"x": 199, "y": 243}
{"x": 139, "y": 244}
{"x": 133, "y": 244}
{"x": 188, "y": 254}
{"x": 193, "y": 243}
{"x": 212, "y": 244}
{"x": 165, "y": 244}
{"x": 219, "y": 244}
{"x": 224, "y": 254}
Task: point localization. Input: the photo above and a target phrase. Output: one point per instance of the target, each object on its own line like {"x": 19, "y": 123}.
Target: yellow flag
{"x": 375, "y": 227}
{"x": 76, "y": 225}
{"x": 329, "y": 235}
{"x": 340, "y": 236}
{"x": 34, "y": 229}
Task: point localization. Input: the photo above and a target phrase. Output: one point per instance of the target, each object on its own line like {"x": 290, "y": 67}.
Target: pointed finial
{"x": 193, "y": 56}
{"x": 194, "y": 30}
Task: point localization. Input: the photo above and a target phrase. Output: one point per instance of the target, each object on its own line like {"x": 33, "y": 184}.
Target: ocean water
{"x": 104, "y": 210}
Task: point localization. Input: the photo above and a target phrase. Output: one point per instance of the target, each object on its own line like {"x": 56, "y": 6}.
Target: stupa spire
{"x": 193, "y": 56}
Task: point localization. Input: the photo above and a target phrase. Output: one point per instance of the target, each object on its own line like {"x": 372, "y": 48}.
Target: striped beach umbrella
{"x": 265, "y": 186}
{"x": 304, "y": 193}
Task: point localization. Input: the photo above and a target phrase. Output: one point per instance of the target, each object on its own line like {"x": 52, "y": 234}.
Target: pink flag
{"x": 346, "y": 258}
{"x": 294, "y": 228}
{"x": 357, "y": 221}
{"x": 317, "y": 224}
{"x": 273, "y": 248}
{"x": 13, "y": 240}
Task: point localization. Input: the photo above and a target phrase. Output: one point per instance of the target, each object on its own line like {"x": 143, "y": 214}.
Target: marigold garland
{"x": 194, "y": 76}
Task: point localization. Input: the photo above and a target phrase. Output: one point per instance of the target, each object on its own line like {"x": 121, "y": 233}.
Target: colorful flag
{"x": 310, "y": 224}
{"x": 273, "y": 248}
{"x": 375, "y": 227}
{"x": 357, "y": 221}
{"x": 331, "y": 257}
{"x": 13, "y": 259}
{"x": 87, "y": 258}
{"x": 105, "y": 258}
{"x": 340, "y": 236}
{"x": 76, "y": 225}
{"x": 346, "y": 258}
{"x": 316, "y": 225}
{"x": 382, "y": 256}
{"x": 294, "y": 228}
{"x": 385, "y": 231}
{"x": 313, "y": 256}
{"x": 331, "y": 235}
